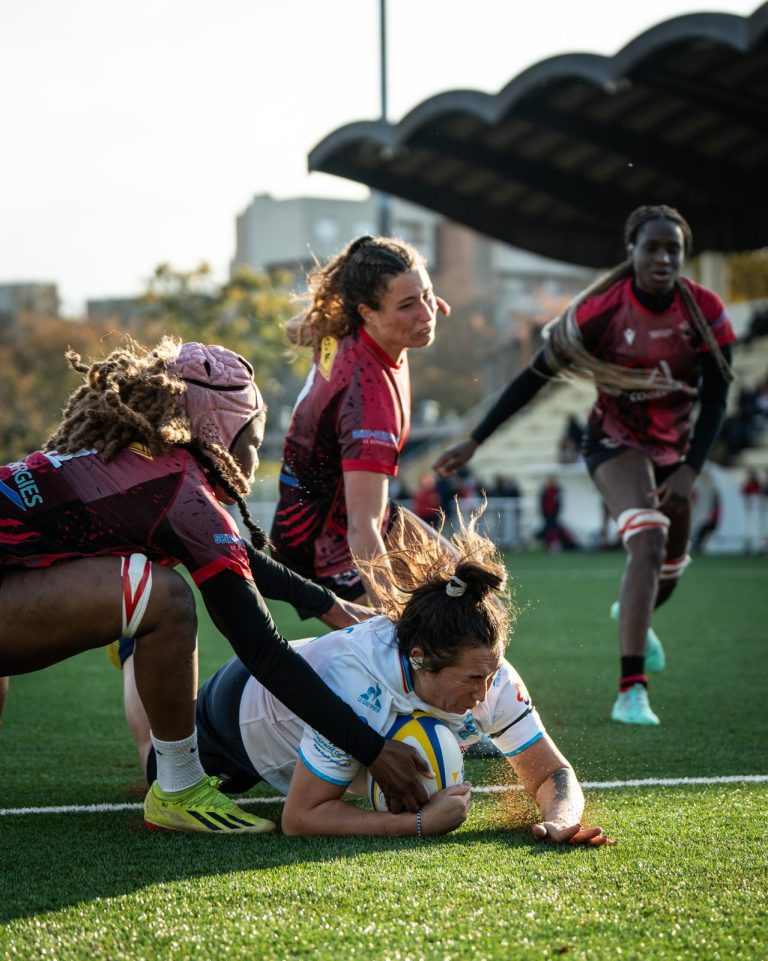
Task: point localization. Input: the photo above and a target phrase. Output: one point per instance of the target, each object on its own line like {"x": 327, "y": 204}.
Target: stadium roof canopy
{"x": 557, "y": 159}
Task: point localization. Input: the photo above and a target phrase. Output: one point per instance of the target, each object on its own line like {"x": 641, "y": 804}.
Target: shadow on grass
{"x": 58, "y": 861}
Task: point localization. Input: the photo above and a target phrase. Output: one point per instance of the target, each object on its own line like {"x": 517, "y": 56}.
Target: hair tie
{"x": 455, "y": 587}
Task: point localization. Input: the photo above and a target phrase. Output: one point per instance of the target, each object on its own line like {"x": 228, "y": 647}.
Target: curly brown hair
{"x": 358, "y": 275}
{"x": 130, "y": 397}
{"x": 422, "y": 571}
{"x": 564, "y": 350}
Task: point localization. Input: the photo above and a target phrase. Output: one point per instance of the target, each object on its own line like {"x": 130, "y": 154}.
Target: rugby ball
{"x": 436, "y": 743}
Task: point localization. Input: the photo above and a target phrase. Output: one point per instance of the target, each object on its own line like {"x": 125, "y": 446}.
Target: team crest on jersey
{"x": 328, "y": 348}
{"x": 468, "y": 729}
{"x": 629, "y": 336}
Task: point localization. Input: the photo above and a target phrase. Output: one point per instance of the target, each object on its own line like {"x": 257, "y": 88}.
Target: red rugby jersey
{"x": 353, "y": 414}
{"x": 617, "y": 328}
{"x": 55, "y": 507}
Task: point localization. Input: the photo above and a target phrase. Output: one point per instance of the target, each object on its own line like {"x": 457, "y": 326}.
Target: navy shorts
{"x": 597, "y": 448}
{"x": 218, "y": 730}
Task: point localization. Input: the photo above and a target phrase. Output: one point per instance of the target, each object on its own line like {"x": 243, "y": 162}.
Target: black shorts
{"x": 597, "y": 448}
{"x": 218, "y": 730}
{"x": 348, "y": 585}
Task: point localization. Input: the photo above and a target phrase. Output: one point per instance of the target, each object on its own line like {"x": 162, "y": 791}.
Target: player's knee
{"x": 173, "y": 601}
{"x": 644, "y": 535}
{"x": 156, "y": 600}
{"x": 649, "y": 547}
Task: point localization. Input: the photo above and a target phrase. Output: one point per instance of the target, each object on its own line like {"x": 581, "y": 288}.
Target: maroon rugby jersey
{"x": 353, "y": 414}
{"x": 55, "y": 506}
{"x": 617, "y": 328}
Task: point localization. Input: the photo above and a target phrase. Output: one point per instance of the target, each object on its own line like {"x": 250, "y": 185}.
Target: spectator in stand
{"x": 738, "y": 432}
{"x": 761, "y": 405}
{"x": 553, "y": 534}
{"x": 758, "y": 325}
{"x": 569, "y": 450}
{"x": 752, "y": 492}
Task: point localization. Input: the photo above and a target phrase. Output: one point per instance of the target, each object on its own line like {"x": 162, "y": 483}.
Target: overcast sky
{"x": 134, "y": 132}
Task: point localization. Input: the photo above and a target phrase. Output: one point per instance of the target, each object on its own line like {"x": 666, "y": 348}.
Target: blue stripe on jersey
{"x": 533, "y": 740}
{"x": 12, "y": 496}
{"x": 323, "y": 777}
{"x": 288, "y": 480}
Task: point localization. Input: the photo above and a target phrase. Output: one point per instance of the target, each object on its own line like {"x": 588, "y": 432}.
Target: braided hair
{"x": 130, "y": 397}
{"x": 446, "y": 601}
{"x": 564, "y": 350}
{"x": 358, "y": 275}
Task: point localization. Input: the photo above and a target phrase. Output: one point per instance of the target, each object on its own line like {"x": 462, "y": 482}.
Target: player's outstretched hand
{"x": 447, "y": 809}
{"x": 346, "y": 613}
{"x": 399, "y": 770}
{"x": 455, "y": 457}
{"x": 570, "y": 834}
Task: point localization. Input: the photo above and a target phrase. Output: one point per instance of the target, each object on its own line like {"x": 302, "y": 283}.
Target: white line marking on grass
{"x": 482, "y": 789}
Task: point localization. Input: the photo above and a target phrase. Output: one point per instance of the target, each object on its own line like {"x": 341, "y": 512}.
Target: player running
{"x": 441, "y": 652}
{"x": 130, "y": 485}
{"x": 371, "y": 304}
{"x": 655, "y": 344}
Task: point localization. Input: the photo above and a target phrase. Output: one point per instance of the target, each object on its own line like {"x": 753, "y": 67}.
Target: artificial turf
{"x": 687, "y": 878}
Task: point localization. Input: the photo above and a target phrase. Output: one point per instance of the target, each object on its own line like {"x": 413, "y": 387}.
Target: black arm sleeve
{"x": 525, "y": 386}
{"x": 714, "y": 391}
{"x": 239, "y": 612}
{"x": 279, "y": 583}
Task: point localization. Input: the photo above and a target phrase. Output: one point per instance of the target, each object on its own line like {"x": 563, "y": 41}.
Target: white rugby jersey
{"x": 364, "y": 667}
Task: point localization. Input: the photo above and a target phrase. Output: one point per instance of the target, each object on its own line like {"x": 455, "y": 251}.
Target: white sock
{"x": 178, "y": 763}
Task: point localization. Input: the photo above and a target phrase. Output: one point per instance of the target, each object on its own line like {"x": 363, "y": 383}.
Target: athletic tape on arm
{"x": 136, "y": 577}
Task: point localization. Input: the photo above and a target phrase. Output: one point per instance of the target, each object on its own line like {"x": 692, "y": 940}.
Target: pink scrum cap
{"x": 221, "y": 398}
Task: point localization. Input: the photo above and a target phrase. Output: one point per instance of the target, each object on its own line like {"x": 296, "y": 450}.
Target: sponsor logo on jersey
{"x": 658, "y": 334}
{"x": 227, "y": 539}
{"x": 329, "y": 752}
{"x": 28, "y": 492}
{"x": 629, "y": 336}
{"x": 522, "y": 695}
{"x": 375, "y": 437}
{"x": 371, "y": 699}
{"x": 328, "y": 349}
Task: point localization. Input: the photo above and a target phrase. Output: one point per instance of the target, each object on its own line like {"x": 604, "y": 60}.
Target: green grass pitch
{"x": 687, "y": 878}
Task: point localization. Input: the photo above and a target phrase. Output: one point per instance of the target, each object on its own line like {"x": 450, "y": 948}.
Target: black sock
{"x": 632, "y": 671}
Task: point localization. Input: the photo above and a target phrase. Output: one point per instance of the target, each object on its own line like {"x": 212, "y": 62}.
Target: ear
{"x": 416, "y": 657}
{"x": 630, "y": 251}
{"x": 366, "y": 312}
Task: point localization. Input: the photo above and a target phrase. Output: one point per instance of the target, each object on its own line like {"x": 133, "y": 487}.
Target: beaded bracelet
{"x": 419, "y": 826}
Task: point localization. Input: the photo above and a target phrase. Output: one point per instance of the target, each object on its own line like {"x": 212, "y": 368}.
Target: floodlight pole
{"x": 385, "y": 205}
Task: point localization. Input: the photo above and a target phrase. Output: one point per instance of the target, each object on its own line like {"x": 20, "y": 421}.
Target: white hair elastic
{"x": 455, "y": 587}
